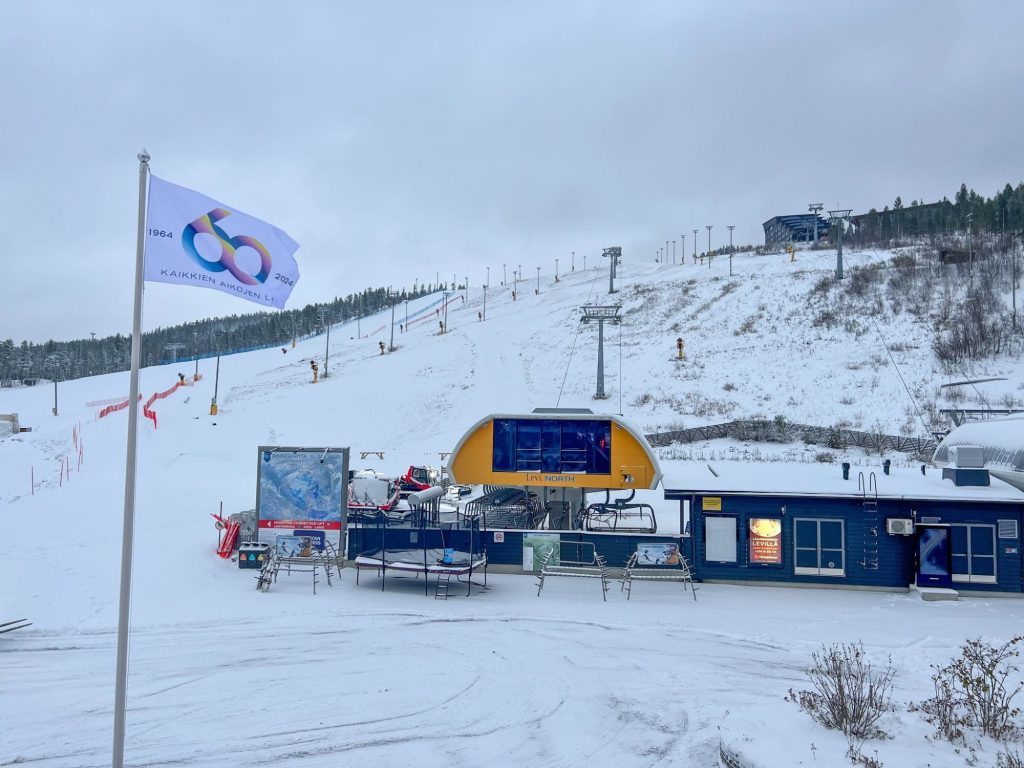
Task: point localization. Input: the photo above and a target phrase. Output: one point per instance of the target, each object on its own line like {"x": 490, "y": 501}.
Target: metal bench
{"x": 594, "y": 567}
{"x": 679, "y": 572}
{"x": 327, "y": 559}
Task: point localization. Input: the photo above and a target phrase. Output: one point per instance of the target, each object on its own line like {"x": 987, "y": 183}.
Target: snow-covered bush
{"x": 850, "y": 694}
{"x": 977, "y": 689}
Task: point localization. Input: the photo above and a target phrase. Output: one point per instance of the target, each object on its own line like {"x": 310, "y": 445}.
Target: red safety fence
{"x": 151, "y": 414}
{"x": 146, "y": 410}
{"x": 114, "y": 408}
{"x": 438, "y": 312}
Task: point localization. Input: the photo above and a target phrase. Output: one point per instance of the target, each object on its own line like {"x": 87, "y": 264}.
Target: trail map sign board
{"x": 301, "y": 492}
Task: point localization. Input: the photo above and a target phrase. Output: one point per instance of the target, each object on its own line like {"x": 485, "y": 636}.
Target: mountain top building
{"x": 798, "y": 228}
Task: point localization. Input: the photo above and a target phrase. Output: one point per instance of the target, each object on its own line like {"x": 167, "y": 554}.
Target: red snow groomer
{"x": 419, "y": 479}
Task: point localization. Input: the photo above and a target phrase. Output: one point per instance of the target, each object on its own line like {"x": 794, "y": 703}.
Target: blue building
{"x": 798, "y": 228}
{"x": 805, "y": 524}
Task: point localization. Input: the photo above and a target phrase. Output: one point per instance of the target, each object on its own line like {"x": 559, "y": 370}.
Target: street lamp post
{"x": 556, "y": 270}
{"x": 673, "y": 253}
{"x": 573, "y": 261}
{"x": 682, "y": 249}
{"x": 327, "y": 345}
{"x": 484, "y": 315}
{"x": 695, "y": 246}
{"x": 708, "y": 228}
{"x": 538, "y": 281}
{"x": 391, "y": 344}
{"x": 504, "y": 275}
{"x": 731, "y": 228}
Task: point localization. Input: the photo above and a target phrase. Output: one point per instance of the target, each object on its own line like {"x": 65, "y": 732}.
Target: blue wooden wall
{"x": 894, "y": 555}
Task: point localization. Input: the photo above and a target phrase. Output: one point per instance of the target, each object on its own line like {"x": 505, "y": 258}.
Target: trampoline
{"x": 423, "y": 545}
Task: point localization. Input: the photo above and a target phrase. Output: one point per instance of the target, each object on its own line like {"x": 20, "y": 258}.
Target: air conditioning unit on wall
{"x": 899, "y": 526}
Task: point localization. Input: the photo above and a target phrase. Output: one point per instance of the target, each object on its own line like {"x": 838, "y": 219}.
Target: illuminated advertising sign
{"x": 766, "y": 540}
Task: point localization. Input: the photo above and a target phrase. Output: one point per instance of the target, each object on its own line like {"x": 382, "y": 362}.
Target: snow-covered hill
{"x": 221, "y": 673}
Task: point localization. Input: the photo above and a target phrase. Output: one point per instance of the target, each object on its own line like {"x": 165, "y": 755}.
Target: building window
{"x": 720, "y": 539}
{"x": 552, "y": 445}
{"x": 819, "y": 547}
{"x": 974, "y": 553}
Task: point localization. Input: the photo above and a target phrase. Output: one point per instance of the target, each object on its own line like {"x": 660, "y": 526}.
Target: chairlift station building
{"x": 947, "y": 530}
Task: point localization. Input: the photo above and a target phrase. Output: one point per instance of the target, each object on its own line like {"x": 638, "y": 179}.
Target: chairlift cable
{"x": 572, "y": 350}
{"x": 900, "y": 374}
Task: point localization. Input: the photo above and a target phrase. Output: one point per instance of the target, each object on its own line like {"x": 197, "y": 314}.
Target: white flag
{"x": 194, "y": 240}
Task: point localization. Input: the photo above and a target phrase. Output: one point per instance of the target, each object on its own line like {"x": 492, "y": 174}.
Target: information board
{"x": 301, "y": 492}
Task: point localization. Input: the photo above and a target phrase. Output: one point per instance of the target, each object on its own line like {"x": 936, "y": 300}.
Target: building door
{"x": 974, "y": 553}
{"x": 934, "y": 562}
{"x": 819, "y": 547}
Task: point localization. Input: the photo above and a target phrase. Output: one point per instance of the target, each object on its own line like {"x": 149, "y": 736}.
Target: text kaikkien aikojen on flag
{"x": 192, "y": 239}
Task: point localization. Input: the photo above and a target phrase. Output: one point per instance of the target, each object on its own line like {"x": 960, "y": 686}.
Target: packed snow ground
{"x": 221, "y": 673}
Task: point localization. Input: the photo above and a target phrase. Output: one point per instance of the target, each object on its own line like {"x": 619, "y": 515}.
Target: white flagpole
{"x": 128, "y": 534}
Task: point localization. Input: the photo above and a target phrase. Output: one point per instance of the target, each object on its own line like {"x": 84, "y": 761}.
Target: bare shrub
{"x": 729, "y": 386}
{"x": 826, "y": 318}
{"x": 976, "y": 689}
{"x": 1009, "y": 759}
{"x": 849, "y": 694}
{"x": 862, "y": 279}
{"x": 641, "y": 400}
{"x": 748, "y": 325}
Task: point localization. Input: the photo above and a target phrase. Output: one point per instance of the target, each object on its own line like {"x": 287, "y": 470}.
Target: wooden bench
{"x": 680, "y": 572}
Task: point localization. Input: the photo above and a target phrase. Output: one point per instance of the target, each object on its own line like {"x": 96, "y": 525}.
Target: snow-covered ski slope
{"x": 221, "y": 674}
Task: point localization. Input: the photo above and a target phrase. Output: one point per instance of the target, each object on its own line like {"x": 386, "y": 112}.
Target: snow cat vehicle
{"x": 420, "y": 478}
{"x": 370, "y": 494}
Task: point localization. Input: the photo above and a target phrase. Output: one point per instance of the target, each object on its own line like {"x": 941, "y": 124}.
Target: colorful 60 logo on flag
{"x": 186, "y": 230}
{"x": 228, "y": 246}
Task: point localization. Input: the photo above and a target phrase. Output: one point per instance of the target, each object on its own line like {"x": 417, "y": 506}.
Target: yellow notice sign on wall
{"x": 712, "y": 504}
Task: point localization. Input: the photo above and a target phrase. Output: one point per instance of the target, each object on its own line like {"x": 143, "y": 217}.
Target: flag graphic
{"x": 191, "y": 239}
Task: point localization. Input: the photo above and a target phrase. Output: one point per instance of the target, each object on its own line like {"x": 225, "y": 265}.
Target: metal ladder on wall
{"x": 870, "y": 520}
{"x": 441, "y": 590}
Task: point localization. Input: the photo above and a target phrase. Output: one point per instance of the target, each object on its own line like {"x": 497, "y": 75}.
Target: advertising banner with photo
{"x": 657, "y": 554}
{"x": 537, "y": 546}
{"x": 301, "y": 492}
{"x": 766, "y": 540}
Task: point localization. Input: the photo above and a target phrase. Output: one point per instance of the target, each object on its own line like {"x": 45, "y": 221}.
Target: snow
{"x": 827, "y": 479}
{"x": 221, "y": 673}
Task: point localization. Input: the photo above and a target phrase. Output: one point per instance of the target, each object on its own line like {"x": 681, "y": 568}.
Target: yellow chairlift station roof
{"x": 555, "y": 448}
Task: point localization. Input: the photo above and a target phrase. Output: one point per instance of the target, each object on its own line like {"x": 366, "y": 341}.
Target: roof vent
{"x": 967, "y": 456}
{"x": 962, "y": 477}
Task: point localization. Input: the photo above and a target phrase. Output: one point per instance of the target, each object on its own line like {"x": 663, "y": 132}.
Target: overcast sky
{"x": 396, "y": 140}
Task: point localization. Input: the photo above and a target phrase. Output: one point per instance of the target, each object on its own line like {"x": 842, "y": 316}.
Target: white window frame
{"x": 969, "y": 578}
{"x": 820, "y": 571}
{"x": 712, "y": 526}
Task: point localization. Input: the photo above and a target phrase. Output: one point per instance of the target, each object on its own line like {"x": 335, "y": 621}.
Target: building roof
{"x": 825, "y": 480}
